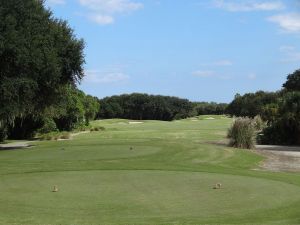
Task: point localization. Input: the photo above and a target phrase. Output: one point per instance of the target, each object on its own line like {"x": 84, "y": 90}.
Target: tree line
{"x": 209, "y": 108}
{"x": 144, "y": 107}
{"x": 155, "y": 107}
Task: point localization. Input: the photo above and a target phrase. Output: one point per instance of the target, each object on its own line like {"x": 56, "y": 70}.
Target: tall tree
{"x": 293, "y": 81}
{"x": 39, "y": 55}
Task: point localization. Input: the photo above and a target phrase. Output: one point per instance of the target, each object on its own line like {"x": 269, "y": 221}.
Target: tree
{"x": 251, "y": 104}
{"x": 209, "y": 108}
{"x": 285, "y": 128}
{"x": 38, "y": 56}
{"x": 293, "y": 81}
{"x": 71, "y": 110}
{"x": 91, "y": 107}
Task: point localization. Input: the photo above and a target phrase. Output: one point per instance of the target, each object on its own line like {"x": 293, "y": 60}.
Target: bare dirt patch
{"x": 279, "y": 158}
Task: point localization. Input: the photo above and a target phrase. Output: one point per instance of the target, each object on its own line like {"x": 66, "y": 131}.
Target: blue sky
{"x": 203, "y": 50}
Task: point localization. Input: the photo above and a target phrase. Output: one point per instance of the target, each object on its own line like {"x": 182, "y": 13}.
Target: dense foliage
{"x": 76, "y": 109}
{"x": 293, "y": 81}
{"x": 209, "y": 108}
{"x": 144, "y": 107}
{"x": 281, "y": 111}
{"x": 39, "y": 56}
{"x": 251, "y": 104}
{"x": 284, "y": 125}
{"x": 73, "y": 110}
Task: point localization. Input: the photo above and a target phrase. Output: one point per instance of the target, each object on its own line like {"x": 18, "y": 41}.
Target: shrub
{"x": 242, "y": 133}
{"x": 285, "y": 131}
{"x": 55, "y": 136}
{"x": 48, "y": 126}
{"x": 97, "y": 129}
{"x": 49, "y": 136}
{"x": 258, "y": 123}
{"x": 82, "y": 127}
{"x": 65, "y": 135}
{"x": 284, "y": 127}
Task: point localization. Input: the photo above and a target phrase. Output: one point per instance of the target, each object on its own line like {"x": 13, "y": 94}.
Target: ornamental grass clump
{"x": 242, "y": 133}
{"x": 258, "y": 123}
{"x": 97, "y": 129}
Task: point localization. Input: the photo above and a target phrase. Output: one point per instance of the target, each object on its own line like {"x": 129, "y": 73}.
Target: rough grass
{"x": 150, "y": 173}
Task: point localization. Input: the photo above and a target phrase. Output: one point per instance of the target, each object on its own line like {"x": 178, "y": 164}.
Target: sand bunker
{"x": 209, "y": 118}
{"x": 135, "y": 122}
{"x": 16, "y": 145}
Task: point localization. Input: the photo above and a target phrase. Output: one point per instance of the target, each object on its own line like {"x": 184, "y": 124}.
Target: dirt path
{"x": 280, "y": 158}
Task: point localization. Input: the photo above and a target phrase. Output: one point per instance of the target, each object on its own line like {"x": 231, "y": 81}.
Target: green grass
{"x": 149, "y": 173}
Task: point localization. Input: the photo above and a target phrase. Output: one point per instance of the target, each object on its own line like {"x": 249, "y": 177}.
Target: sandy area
{"x": 135, "y": 122}
{"x": 280, "y": 158}
{"x": 16, "y": 145}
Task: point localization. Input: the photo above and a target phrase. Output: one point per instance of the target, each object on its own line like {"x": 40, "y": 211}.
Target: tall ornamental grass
{"x": 242, "y": 133}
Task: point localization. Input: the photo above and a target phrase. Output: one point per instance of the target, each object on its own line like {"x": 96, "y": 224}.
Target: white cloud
{"x": 287, "y": 48}
{"x": 104, "y": 11}
{"x": 287, "y": 22}
{"x": 252, "y": 76}
{"x": 203, "y": 73}
{"x": 56, "y": 2}
{"x": 248, "y": 5}
{"x": 94, "y": 76}
{"x": 111, "y": 6}
{"x": 101, "y": 19}
{"x": 291, "y": 55}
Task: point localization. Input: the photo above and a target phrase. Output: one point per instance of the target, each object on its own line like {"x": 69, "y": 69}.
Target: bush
{"x": 242, "y": 133}
{"x": 65, "y": 135}
{"x": 97, "y": 129}
{"x": 284, "y": 126}
{"x": 49, "y": 136}
{"x": 285, "y": 131}
{"x": 82, "y": 128}
{"x": 48, "y": 126}
{"x": 55, "y": 136}
{"x": 258, "y": 123}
